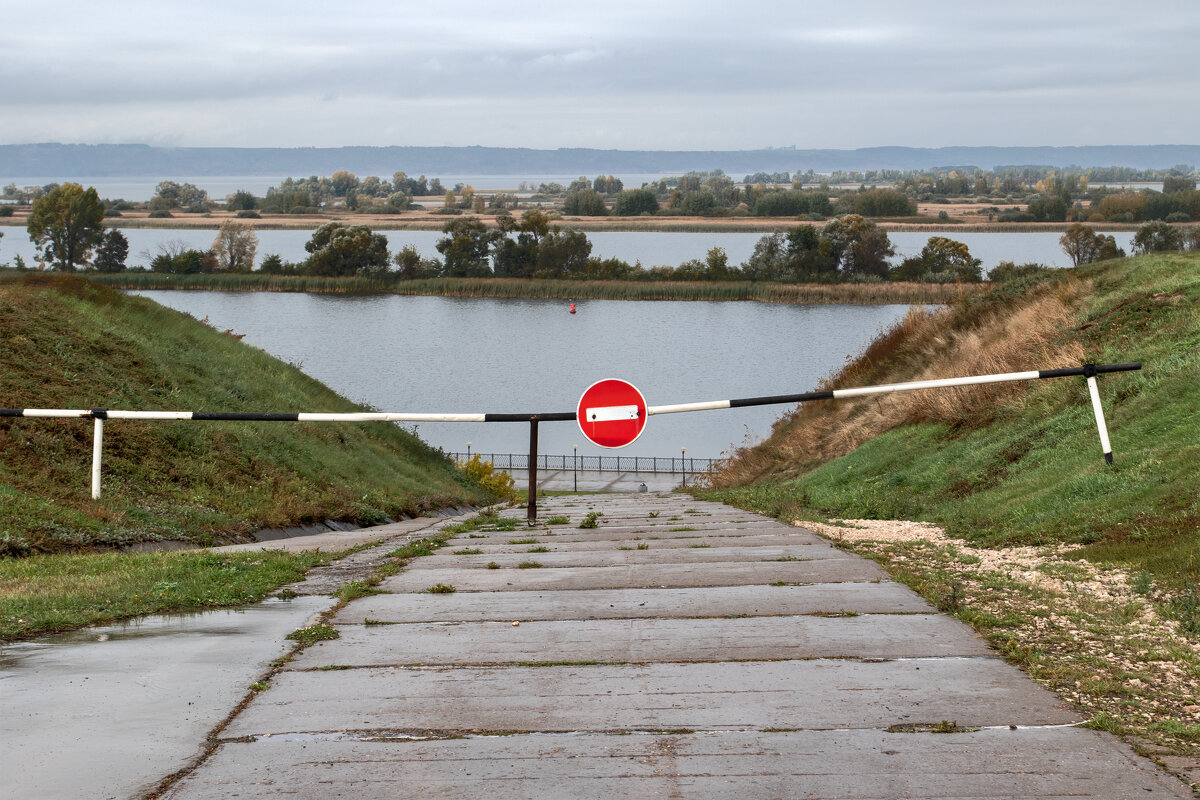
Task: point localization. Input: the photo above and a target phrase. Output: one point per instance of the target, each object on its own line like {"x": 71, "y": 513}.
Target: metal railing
{"x": 656, "y": 464}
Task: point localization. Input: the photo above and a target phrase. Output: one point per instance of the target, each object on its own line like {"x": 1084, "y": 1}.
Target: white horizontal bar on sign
{"x": 711, "y": 405}
{"x": 610, "y": 413}
{"x": 390, "y": 417}
{"x": 938, "y": 384}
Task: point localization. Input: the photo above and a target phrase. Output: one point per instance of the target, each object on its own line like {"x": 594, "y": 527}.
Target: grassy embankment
{"x": 69, "y": 343}
{"x": 1084, "y": 574}
{"x": 798, "y": 293}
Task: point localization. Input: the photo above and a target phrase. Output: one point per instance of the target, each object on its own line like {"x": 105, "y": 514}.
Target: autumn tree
{"x": 234, "y": 247}
{"x": 66, "y": 225}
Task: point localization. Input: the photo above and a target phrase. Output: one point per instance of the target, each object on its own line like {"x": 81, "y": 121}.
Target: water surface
{"x": 436, "y": 355}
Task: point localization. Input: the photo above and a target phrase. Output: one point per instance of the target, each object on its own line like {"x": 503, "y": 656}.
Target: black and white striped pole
{"x": 99, "y": 415}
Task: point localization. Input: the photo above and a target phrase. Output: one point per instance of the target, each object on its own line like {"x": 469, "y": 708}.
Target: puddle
{"x": 109, "y": 710}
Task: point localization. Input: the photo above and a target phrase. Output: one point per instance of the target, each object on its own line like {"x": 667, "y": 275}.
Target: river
{"x": 435, "y": 354}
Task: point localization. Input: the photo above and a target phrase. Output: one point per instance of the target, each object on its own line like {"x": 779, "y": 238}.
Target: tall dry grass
{"x": 994, "y": 335}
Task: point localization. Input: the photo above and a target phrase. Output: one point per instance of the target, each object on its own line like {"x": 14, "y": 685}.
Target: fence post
{"x": 97, "y": 448}
{"x": 531, "y": 515}
{"x": 1089, "y": 371}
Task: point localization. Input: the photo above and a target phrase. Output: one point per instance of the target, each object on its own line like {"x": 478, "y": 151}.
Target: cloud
{"x": 617, "y": 74}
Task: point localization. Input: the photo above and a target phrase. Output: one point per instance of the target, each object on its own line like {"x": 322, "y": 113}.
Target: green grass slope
{"x": 69, "y": 343}
{"x": 1030, "y": 470}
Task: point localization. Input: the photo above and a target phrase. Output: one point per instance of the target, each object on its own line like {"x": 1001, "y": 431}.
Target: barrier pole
{"x": 531, "y": 515}
{"x": 97, "y": 448}
{"x": 1098, "y": 410}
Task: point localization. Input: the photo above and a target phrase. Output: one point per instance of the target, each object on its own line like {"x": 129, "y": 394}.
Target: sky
{"x": 670, "y": 75}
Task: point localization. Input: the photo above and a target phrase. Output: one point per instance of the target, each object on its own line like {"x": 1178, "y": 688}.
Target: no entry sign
{"x": 612, "y": 413}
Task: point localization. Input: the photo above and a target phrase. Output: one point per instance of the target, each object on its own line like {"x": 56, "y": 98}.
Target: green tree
{"x": 410, "y": 265}
{"x": 944, "y": 260}
{"x": 1048, "y": 209}
{"x": 1157, "y": 237}
{"x": 585, "y": 203}
{"x": 235, "y": 246}
{"x": 338, "y": 249}
{"x": 1178, "y": 183}
{"x": 769, "y": 259}
{"x": 114, "y": 249}
{"x": 563, "y": 254}
{"x": 241, "y": 200}
{"x": 169, "y": 195}
{"x": 1080, "y": 243}
{"x": 466, "y": 246}
{"x": 633, "y": 202}
{"x": 859, "y": 246}
{"x": 66, "y": 225}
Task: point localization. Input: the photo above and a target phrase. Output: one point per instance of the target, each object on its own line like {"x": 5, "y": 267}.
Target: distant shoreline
{"x": 419, "y": 221}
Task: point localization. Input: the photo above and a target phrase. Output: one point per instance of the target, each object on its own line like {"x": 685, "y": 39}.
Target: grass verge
{"x": 72, "y": 344}
{"x": 49, "y": 593}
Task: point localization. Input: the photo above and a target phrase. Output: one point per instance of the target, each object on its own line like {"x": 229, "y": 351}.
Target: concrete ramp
{"x": 681, "y": 649}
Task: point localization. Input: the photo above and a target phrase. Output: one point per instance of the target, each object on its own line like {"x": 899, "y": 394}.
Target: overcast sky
{"x": 687, "y": 75}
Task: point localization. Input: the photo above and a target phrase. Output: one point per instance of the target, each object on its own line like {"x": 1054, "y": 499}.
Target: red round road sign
{"x": 611, "y": 413}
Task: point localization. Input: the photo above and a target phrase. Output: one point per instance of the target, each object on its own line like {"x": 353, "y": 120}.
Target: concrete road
{"x": 680, "y": 650}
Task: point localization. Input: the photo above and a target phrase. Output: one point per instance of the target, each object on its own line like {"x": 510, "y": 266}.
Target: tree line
{"x": 66, "y": 224}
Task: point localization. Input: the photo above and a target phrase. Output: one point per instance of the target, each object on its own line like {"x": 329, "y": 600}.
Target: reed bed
{"x": 513, "y": 288}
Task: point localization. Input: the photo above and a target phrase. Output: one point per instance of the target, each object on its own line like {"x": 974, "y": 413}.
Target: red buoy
{"x": 572, "y": 308}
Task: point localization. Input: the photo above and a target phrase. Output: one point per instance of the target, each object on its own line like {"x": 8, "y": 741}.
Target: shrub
{"x": 160, "y": 213}
{"x": 248, "y": 213}
{"x": 498, "y": 483}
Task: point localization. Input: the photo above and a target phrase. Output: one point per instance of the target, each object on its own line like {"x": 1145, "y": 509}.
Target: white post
{"x": 97, "y": 448}
{"x": 1098, "y": 409}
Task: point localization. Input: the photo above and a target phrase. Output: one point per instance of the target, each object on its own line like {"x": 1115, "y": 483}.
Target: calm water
{"x": 650, "y": 248}
{"x": 433, "y": 354}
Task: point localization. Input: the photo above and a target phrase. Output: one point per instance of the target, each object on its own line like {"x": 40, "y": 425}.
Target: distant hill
{"x": 133, "y": 160}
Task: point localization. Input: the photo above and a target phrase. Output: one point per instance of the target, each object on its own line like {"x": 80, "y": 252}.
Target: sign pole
{"x": 531, "y": 516}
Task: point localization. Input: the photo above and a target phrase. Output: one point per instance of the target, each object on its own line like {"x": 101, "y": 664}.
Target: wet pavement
{"x": 681, "y": 649}
{"x": 108, "y": 712}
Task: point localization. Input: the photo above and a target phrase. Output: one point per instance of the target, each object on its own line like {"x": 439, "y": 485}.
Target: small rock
{"x": 516, "y": 623}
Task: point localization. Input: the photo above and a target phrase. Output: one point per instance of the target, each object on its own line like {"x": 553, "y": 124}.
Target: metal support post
{"x": 97, "y": 449}
{"x": 1098, "y": 410}
{"x": 531, "y": 516}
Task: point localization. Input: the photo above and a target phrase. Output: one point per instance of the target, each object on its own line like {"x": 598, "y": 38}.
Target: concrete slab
{"x": 749, "y": 695}
{"x": 885, "y": 597}
{"x": 836, "y": 765}
{"x": 648, "y": 534}
{"x": 695, "y": 553}
{"x": 559, "y": 543}
{"x": 109, "y": 711}
{"x": 645, "y": 640}
{"x": 828, "y": 570}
